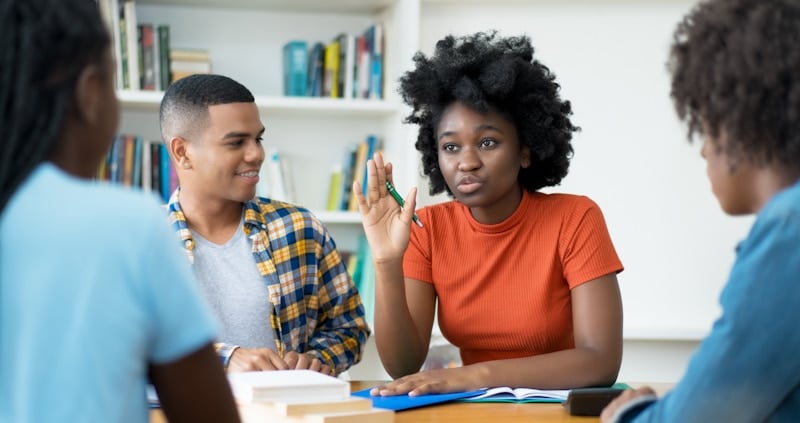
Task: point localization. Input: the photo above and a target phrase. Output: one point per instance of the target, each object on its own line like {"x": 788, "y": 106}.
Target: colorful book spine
{"x": 113, "y": 160}
{"x": 148, "y": 57}
{"x": 347, "y": 176}
{"x": 363, "y": 68}
{"x": 359, "y": 172}
{"x": 146, "y": 168}
{"x": 155, "y": 166}
{"x": 295, "y": 68}
{"x": 334, "y": 189}
{"x": 330, "y": 86}
{"x": 375, "y": 36}
{"x": 128, "y": 159}
{"x": 163, "y": 53}
{"x": 347, "y": 56}
{"x": 124, "y": 75}
{"x": 136, "y": 179}
{"x": 316, "y": 59}
{"x": 132, "y": 40}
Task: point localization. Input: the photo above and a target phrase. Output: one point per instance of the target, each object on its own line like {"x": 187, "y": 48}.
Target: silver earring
{"x": 187, "y": 165}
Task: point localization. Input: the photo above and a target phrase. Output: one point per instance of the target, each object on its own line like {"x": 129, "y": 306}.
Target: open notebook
{"x": 522, "y": 395}
{"x": 507, "y": 394}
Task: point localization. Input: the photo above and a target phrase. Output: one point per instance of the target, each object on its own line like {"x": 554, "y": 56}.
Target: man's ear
{"x": 88, "y": 94}
{"x": 178, "y": 150}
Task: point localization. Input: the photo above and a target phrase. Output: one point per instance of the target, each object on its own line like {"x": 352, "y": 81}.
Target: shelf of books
{"x": 324, "y": 73}
{"x": 158, "y": 43}
{"x": 139, "y": 163}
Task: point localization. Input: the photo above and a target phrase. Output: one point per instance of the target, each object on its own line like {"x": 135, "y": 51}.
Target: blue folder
{"x": 405, "y": 402}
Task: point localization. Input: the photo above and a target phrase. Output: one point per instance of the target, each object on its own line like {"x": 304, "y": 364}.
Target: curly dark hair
{"x": 484, "y": 71}
{"x": 735, "y": 66}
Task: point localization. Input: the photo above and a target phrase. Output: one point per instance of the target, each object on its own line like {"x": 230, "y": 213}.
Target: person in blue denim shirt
{"x": 735, "y": 68}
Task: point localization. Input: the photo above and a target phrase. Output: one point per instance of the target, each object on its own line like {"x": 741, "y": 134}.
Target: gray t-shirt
{"x": 235, "y": 290}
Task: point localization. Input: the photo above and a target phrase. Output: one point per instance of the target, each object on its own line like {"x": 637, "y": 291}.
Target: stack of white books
{"x": 301, "y": 396}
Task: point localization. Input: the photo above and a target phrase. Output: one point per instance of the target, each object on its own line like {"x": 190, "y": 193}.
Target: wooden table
{"x": 474, "y": 412}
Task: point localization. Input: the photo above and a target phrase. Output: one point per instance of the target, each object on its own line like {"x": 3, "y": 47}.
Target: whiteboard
{"x": 631, "y": 156}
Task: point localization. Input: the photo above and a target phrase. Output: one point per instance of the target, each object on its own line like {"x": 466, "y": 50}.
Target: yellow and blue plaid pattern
{"x": 316, "y": 307}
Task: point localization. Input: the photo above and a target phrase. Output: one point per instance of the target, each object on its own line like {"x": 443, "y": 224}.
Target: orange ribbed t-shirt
{"x": 504, "y": 290}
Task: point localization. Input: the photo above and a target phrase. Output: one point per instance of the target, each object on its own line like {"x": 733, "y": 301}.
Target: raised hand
{"x": 386, "y": 225}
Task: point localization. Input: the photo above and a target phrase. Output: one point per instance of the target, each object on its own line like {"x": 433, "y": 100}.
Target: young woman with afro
{"x": 525, "y": 282}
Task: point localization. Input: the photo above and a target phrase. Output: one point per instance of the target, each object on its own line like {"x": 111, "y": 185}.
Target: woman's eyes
{"x": 484, "y": 143}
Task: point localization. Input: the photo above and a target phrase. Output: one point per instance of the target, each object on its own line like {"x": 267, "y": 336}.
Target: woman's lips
{"x": 468, "y": 185}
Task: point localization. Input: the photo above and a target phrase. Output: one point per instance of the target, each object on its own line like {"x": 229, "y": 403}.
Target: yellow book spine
{"x": 335, "y": 189}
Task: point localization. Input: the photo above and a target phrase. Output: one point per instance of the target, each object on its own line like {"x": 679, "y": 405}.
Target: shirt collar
{"x": 253, "y": 219}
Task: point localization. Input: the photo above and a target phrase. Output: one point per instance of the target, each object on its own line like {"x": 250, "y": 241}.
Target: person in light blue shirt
{"x": 736, "y": 80}
{"x": 95, "y": 298}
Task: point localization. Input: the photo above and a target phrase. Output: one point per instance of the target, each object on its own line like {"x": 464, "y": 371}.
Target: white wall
{"x": 655, "y": 361}
{"x": 631, "y": 157}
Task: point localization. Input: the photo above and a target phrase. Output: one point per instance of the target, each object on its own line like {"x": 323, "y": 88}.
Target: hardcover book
{"x": 295, "y": 68}
{"x": 316, "y": 57}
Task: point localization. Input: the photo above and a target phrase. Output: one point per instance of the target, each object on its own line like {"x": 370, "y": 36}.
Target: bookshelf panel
{"x": 149, "y": 101}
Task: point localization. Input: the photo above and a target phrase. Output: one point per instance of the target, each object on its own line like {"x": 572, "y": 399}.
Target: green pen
{"x": 399, "y": 199}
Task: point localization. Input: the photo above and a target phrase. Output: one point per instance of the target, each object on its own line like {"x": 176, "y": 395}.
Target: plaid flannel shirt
{"x": 316, "y": 307}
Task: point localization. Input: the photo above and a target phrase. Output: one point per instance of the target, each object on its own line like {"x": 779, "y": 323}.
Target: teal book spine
{"x": 295, "y": 68}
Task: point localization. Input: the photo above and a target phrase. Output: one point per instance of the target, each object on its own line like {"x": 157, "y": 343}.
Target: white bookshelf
{"x": 244, "y": 39}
